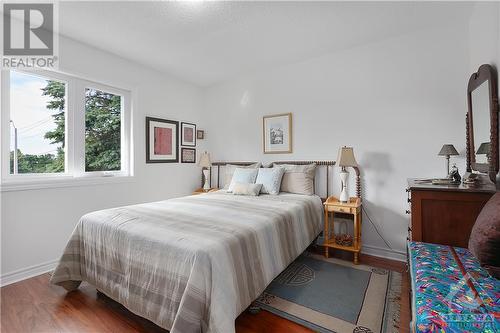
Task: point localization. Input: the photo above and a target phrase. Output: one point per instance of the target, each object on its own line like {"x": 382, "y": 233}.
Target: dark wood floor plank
{"x": 33, "y": 305}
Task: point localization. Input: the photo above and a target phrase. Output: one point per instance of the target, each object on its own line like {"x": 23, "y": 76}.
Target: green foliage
{"x": 102, "y": 133}
{"x": 35, "y": 163}
{"x": 57, "y": 92}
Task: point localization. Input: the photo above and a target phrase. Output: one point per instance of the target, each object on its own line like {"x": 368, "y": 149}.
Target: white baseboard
{"x": 26, "y": 273}
{"x": 384, "y": 252}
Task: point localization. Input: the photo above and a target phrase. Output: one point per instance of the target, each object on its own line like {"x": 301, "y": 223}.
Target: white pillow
{"x": 246, "y": 189}
{"x": 298, "y": 178}
{"x": 270, "y": 178}
{"x": 229, "y": 171}
{"x": 242, "y": 175}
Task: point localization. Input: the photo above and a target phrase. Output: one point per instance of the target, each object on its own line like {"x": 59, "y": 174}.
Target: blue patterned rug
{"x": 332, "y": 295}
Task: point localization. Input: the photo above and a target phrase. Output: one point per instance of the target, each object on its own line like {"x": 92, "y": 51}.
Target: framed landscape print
{"x": 162, "y": 145}
{"x": 188, "y": 155}
{"x": 277, "y": 132}
{"x": 188, "y": 134}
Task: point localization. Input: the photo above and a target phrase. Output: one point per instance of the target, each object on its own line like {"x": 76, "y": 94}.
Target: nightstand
{"x": 352, "y": 207}
{"x": 202, "y": 191}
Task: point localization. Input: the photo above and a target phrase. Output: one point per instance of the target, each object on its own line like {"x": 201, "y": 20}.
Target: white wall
{"x": 484, "y": 35}
{"x": 395, "y": 101}
{"x": 37, "y": 223}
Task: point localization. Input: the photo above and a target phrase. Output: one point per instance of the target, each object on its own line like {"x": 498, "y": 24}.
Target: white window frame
{"x": 75, "y": 173}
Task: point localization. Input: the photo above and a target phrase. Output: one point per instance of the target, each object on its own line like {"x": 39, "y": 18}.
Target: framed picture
{"x": 277, "y": 133}
{"x": 162, "y": 145}
{"x": 188, "y": 134}
{"x": 188, "y": 155}
{"x": 200, "y": 134}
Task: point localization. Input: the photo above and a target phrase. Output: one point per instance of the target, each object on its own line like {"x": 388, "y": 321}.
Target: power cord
{"x": 376, "y": 228}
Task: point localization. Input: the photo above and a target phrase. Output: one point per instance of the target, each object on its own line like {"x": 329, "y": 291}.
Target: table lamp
{"x": 205, "y": 163}
{"x": 484, "y": 149}
{"x": 448, "y": 150}
{"x": 345, "y": 159}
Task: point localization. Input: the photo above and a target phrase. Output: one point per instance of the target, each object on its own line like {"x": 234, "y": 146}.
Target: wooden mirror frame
{"x": 485, "y": 73}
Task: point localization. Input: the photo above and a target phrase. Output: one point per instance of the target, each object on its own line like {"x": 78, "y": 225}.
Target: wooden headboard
{"x": 326, "y": 164}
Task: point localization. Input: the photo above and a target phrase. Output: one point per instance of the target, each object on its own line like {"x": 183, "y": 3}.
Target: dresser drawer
{"x": 340, "y": 209}
{"x": 444, "y": 217}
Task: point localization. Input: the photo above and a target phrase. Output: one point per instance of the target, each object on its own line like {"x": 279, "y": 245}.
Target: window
{"x": 61, "y": 126}
{"x": 37, "y": 124}
{"x": 102, "y": 130}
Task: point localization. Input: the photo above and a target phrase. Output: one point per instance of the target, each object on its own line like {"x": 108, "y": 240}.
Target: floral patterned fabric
{"x": 442, "y": 297}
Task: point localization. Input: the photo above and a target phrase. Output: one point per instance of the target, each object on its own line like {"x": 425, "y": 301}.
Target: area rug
{"x": 332, "y": 295}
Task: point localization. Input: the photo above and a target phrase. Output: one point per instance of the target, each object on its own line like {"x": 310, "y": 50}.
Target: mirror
{"x": 482, "y": 123}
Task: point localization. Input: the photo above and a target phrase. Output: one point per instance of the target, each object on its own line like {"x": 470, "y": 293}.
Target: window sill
{"x": 60, "y": 182}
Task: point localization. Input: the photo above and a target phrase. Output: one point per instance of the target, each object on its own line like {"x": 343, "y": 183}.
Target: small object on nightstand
{"x": 201, "y": 190}
{"x": 342, "y": 242}
{"x": 344, "y": 239}
{"x": 444, "y": 181}
{"x": 470, "y": 178}
{"x": 454, "y": 175}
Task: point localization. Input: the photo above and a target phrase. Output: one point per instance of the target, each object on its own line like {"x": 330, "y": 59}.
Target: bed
{"x": 194, "y": 263}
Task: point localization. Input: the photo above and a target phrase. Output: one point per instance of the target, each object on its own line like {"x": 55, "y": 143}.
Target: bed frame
{"x": 326, "y": 164}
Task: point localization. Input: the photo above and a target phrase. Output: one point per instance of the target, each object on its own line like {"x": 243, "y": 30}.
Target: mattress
{"x": 190, "y": 264}
{"x": 451, "y": 292}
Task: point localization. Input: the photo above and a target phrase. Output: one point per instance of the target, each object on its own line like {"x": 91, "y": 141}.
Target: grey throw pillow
{"x": 298, "y": 179}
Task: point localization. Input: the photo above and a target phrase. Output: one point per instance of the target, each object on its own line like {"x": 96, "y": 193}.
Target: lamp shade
{"x": 346, "y": 157}
{"x": 205, "y": 161}
{"x": 448, "y": 150}
{"x": 484, "y": 149}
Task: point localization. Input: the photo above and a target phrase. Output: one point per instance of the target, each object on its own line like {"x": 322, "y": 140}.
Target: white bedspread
{"x": 190, "y": 264}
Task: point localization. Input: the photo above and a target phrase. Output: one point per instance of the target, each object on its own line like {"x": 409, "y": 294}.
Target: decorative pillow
{"x": 270, "y": 178}
{"x": 484, "y": 241}
{"x": 242, "y": 175}
{"x": 246, "y": 189}
{"x": 298, "y": 179}
{"x": 229, "y": 171}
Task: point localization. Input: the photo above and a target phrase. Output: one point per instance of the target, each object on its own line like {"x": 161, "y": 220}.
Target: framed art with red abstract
{"x": 162, "y": 145}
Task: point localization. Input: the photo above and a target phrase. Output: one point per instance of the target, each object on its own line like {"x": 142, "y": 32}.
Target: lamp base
{"x": 206, "y": 186}
{"x": 344, "y": 195}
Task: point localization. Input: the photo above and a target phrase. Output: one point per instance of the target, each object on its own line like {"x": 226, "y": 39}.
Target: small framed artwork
{"x": 162, "y": 145}
{"x": 188, "y": 134}
{"x": 277, "y": 133}
{"x": 188, "y": 155}
{"x": 200, "y": 134}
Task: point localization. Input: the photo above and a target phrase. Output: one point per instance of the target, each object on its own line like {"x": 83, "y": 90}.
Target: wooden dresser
{"x": 443, "y": 214}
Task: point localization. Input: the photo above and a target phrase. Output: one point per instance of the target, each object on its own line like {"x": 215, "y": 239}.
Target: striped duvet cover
{"x": 190, "y": 264}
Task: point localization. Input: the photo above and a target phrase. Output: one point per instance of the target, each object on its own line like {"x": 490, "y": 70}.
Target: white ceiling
{"x": 209, "y": 42}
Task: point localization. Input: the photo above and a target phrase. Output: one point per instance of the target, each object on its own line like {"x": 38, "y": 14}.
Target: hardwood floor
{"x": 35, "y": 306}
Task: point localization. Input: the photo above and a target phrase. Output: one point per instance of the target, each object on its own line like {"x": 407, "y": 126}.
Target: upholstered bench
{"x": 451, "y": 292}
